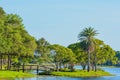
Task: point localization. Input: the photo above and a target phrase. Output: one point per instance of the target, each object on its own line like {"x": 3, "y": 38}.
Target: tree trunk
{"x": 95, "y": 67}
{"x": 1, "y": 62}
{"x": 57, "y": 66}
{"x": 95, "y": 64}
{"x": 8, "y": 67}
{"x": 23, "y": 67}
{"x": 60, "y": 65}
{"x": 88, "y": 61}
{"x": 83, "y": 67}
{"x": 65, "y": 66}
{"x": 18, "y": 69}
{"x": 10, "y": 61}
{"x": 72, "y": 67}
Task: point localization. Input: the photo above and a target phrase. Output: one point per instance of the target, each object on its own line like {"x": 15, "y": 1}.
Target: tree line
{"x": 15, "y": 42}
{"x": 18, "y": 47}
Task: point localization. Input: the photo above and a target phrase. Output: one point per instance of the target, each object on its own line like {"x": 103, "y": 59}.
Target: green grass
{"x": 81, "y": 73}
{"x": 14, "y": 74}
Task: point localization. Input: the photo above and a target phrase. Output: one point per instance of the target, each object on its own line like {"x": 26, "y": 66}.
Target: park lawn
{"x": 14, "y": 74}
{"x": 81, "y": 73}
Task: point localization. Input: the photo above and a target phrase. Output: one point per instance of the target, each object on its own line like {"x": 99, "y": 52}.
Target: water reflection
{"x": 67, "y": 78}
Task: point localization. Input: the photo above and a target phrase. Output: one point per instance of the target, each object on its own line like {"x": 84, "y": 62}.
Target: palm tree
{"x": 87, "y": 40}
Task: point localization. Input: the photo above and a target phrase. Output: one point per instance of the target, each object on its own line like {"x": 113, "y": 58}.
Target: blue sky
{"x": 60, "y": 21}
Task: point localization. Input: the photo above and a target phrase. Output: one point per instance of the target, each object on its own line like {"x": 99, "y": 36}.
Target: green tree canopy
{"x": 62, "y": 55}
{"x": 43, "y": 51}
{"x": 15, "y": 40}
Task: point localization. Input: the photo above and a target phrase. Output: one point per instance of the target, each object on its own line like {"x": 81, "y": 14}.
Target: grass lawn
{"x": 14, "y": 74}
{"x": 81, "y": 73}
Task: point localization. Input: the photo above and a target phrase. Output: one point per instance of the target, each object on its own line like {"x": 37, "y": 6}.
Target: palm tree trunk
{"x": 88, "y": 61}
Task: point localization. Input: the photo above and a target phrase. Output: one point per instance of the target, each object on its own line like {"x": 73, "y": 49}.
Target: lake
{"x": 115, "y": 71}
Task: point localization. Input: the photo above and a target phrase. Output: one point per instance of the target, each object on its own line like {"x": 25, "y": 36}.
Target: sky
{"x": 60, "y": 21}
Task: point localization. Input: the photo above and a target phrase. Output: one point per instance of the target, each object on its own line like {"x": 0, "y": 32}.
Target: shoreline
{"x": 81, "y": 73}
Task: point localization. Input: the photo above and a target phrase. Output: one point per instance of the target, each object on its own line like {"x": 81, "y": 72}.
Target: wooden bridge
{"x": 35, "y": 67}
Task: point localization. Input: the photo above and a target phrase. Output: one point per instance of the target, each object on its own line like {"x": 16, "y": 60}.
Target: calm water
{"x": 115, "y": 71}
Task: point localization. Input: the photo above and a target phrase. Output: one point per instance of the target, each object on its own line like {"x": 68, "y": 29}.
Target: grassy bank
{"x": 78, "y": 73}
{"x": 81, "y": 74}
{"x": 14, "y": 74}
